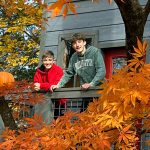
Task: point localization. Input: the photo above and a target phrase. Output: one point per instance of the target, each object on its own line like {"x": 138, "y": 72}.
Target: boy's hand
{"x": 86, "y": 86}
{"x": 53, "y": 87}
{"x": 36, "y": 86}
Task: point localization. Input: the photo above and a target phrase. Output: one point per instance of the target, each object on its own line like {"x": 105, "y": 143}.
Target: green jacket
{"x": 90, "y": 67}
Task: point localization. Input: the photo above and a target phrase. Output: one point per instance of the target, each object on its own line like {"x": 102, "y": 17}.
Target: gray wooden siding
{"x": 106, "y": 33}
{"x": 102, "y": 18}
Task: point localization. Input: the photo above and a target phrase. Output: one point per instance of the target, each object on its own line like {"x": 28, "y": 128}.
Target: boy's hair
{"x": 48, "y": 54}
{"x": 77, "y": 36}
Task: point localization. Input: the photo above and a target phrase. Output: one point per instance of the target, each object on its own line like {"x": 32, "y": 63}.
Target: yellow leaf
{"x": 108, "y": 122}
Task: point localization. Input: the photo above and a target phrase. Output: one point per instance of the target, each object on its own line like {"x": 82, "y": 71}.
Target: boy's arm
{"x": 45, "y": 86}
{"x": 53, "y": 79}
{"x": 67, "y": 76}
{"x": 100, "y": 69}
{"x": 38, "y": 83}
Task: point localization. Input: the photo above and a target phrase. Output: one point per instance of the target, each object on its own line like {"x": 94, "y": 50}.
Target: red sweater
{"x": 46, "y": 78}
{"x": 49, "y": 77}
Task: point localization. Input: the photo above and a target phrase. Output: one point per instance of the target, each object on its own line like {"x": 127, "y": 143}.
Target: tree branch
{"x": 34, "y": 38}
{"x": 147, "y": 9}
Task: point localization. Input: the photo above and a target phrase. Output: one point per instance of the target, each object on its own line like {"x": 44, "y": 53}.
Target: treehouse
{"x": 103, "y": 26}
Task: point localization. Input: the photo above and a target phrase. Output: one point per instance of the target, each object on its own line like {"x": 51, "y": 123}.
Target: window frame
{"x": 61, "y": 44}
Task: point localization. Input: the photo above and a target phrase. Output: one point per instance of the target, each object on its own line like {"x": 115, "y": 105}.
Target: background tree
{"x": 134, "y": 17}
{"x": 20, "y": 26}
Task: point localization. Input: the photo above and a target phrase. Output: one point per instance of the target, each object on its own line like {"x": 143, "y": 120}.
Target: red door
{"x": 115, "y": 58}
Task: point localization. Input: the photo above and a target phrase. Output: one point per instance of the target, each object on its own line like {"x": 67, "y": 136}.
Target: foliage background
{"x": 20, "y": 27}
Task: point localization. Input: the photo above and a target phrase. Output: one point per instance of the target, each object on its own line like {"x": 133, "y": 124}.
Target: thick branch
{"x": 147, "y": 9}
{"x": 6, "y": 114}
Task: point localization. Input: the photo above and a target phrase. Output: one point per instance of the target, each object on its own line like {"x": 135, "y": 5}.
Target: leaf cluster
{"x": 20, "y": 27}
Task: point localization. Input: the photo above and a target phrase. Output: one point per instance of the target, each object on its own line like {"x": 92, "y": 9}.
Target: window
{"x": 65, "y": 50}
{"x": 115, "y": 58}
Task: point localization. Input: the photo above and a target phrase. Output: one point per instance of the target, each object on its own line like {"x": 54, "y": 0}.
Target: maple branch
{"x": 110, "y": 129}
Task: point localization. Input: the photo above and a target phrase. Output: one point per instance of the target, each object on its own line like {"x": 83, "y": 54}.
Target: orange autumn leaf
{"x": 138, "y": 57}
{"x": 123, "y": 135}
{"x": 127, "y": 136}
{"x": 126, "y": 128}
{"x": 36, "y": 121}
{"x": 57, "y": 4}
{"x": 72, "y": 8}
{"x": 145, "y": 45}
{"x": 65, "y": 11}
{"x": 140, "y": 45}
{"x": 57, "y": 7}
{"x": 140, "y": 51}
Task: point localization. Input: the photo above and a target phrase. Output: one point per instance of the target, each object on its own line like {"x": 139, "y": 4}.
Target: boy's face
{"x": 79, "y": 46}
{"x": 48, "y": 62}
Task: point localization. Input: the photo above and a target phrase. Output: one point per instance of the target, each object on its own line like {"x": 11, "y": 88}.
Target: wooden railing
{"x": 70, "y": 93}
{"x": 75, "y": 92}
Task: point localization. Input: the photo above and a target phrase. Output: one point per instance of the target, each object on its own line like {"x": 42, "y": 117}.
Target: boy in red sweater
{"x": 46, "y": 75}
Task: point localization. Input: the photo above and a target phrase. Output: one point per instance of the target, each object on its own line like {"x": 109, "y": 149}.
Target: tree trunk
{"x": 134, "y": 20}
{"x": 6, "y": 114}
{"x": 134, "y": 17}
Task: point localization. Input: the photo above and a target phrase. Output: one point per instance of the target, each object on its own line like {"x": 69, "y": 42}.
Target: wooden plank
{"x": 106, "y": 33}
{"x": 95, "y": 19}
{"x": 85, "y": 6}
{"x": 76, "y": 92}
{"x": 85, "y": 20}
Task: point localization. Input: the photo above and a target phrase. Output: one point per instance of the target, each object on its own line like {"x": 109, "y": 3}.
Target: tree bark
{"x": 134, "y": 17}
{"x": 6, "y": 114}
